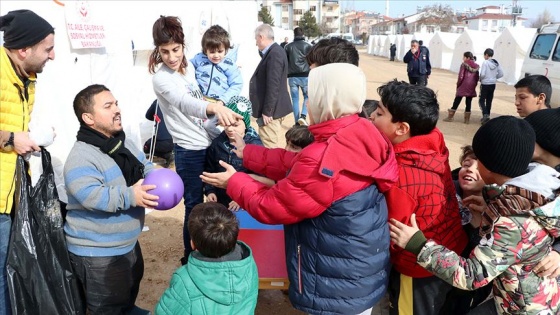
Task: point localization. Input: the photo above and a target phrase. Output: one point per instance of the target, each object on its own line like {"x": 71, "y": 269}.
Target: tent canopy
{"x": 441, "y": 49}
{"x": 475, "y": 42}
{"x": 510, "y": 49}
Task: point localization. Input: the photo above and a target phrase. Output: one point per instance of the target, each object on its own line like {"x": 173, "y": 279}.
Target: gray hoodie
{"x": 490, "y": 71}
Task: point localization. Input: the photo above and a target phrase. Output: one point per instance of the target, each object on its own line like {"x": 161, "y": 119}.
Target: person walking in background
{"x": 418, "y": 64}
{"x": 298, "y": 70}
{"x": 393, "y": 51}
{"x": 490, "y": 72}
{"x": 268, "y": 90}
{"x": 284, "y": 43}
{"x": 28, "y": 46}
{"x": 184, "y": 111}
{"x": 106, "y": 200}
{"x": 467, "y": 79}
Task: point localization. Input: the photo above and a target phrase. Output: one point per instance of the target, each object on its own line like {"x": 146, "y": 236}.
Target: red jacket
{"x": 467, "y": 79}
{"x": 348, "y": 154}
{"x": 426, "y": 189}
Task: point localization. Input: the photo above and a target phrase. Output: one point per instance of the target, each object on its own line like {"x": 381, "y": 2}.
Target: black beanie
{"x": 546, "y": 123}
{"x": 23, "y": 28}
{"x": 505, "y": 145}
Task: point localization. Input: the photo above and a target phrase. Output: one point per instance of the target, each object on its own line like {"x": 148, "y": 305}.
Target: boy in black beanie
{"x": 517, "y": 227}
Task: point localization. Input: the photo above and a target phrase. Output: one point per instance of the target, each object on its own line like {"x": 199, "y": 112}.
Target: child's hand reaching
{"x": 233, "y": 206}
{"x": 402, "y": 233}
{"x": 211, "y": 197}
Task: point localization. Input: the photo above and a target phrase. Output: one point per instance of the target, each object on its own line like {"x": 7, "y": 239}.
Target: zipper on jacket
{"x": 210, "y": 81}
{"x": 299, "y": 268}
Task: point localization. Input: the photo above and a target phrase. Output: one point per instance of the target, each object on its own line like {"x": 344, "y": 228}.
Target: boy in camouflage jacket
{"x": 518, "y": 226}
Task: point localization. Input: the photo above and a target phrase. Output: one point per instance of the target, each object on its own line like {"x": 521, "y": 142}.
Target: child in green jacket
{"x": 220, "y": 276}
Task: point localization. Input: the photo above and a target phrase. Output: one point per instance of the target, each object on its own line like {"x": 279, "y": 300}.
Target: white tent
{"x": 391, "y": 39}
{"x": 381, "y": 48}
{"x": 403, "y": 45}
{"x": 116, "y": 65}
{"x": 370, "y": 46}
{"x": 441, "y": 49}
{"x": 475, "y": 42}
{"x": 424, "y": 37}
{"x": 510, "y": 49}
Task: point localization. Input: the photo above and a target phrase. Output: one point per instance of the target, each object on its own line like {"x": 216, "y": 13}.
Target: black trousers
{"x": 457, "y": 101}
{"x": 109, "y": 285}
{"x": 486, "y": 97}
{"x": 416, "y": 296}
{"x": 421, "y": 80}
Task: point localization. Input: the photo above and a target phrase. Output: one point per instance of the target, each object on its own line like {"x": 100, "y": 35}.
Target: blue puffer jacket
{"x": 321, "y": 255}
{"x": 221, "y": 81}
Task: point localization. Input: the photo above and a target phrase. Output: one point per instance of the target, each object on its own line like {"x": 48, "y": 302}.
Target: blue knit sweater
{"x": 103, "y": 219}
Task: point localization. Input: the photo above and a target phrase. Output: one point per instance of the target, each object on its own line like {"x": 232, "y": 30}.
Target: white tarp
{"x": 117, "y": 66}
{"x": 371, "y": 40}
{"x": 403, "y": 45}
{"x": 390, "y": 39}
{"x": 510, "y": 49}
{"x": 441, "y": 49}
{"x": 475, "y": 42}
{"x": 424, "y": 37}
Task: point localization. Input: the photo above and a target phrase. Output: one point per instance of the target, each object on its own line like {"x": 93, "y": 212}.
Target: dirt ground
{"x": 162, "y": 243}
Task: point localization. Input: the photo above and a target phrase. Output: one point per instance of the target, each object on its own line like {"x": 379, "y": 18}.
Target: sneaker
{"x": 301, "y": 121}
{"x": 485, "y": 119}
{"x": 138, "y": 311}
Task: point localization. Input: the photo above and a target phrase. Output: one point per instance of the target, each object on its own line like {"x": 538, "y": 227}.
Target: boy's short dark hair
{"x": 299, "y": 136}
{"x": 537, "y": 84}
{"x": 213, "y": 229}
{"x": 489, "y": 52}
{"x": 414, "y": 104}
{"x": 214, "y": 37}
{"x": 333, "y": 50}
{"x": 369, "y": 107}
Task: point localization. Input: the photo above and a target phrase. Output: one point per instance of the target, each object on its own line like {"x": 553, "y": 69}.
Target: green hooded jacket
{"x": 207, "y": 286}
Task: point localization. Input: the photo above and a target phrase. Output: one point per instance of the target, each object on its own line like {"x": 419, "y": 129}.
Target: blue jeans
{"x": 295, "y": 84}
{"x": 189, "y": 164}
{"x": 5, "y": 231}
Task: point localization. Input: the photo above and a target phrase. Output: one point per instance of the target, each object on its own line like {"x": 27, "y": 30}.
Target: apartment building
{"x": 288, "y": 13}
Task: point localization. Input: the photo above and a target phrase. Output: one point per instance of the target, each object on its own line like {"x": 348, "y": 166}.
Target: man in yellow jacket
{"x": 28, "y": 45}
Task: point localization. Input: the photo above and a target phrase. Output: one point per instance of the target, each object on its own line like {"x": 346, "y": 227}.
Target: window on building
{"x": 329, "y": 19}
{"x": 329, "y": 9}
{"x": 484, "y": 23}
{"x": 296, "y": 23}
{"x": 494, "y": 23}
{"x": 312, "y": 8}
{"x": 298, "y": 11}
{"x": 285, "y": 8}
{"x": 284, "y": 20}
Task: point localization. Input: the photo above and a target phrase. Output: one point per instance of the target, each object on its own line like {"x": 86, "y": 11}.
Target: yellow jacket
{"x": 16, "y": 103}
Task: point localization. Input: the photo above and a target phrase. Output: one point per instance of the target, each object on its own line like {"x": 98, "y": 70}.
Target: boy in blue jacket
{"x": 216, "y": 72}
{"x": 222, "y": 149}
{"x": 221, "y": 276}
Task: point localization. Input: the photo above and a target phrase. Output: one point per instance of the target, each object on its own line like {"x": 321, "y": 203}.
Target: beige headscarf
{"x": 335, "y": 90}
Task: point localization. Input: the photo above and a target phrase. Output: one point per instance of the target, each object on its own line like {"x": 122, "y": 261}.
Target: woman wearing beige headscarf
{"x": 329, "y": 195}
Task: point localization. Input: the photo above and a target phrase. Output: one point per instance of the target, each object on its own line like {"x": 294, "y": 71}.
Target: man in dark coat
{"x": 393, "y": 50}
{"x": 268, "y": 88}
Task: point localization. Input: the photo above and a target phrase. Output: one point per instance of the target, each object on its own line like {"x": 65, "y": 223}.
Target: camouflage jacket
{"x": 519, "y": 237}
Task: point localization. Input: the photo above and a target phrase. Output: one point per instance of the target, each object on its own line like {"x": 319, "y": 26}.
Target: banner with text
{"x": 83, "y": 29}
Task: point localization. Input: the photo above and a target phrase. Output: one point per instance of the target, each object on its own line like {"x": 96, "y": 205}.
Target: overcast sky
{"x": 531, "y": 9}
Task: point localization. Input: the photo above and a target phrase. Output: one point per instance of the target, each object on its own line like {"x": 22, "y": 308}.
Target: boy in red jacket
{"x": 407, "y": 115}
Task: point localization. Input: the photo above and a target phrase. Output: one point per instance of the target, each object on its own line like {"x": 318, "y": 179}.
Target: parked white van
{"x": 543, "y": 57}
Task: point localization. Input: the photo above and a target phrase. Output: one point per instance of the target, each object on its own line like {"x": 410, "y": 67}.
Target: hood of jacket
{"x": 364, "y": 154}
{"x": 471, "y": 65}
{"x": 492, "y": 64}
{"x": 523, "y": 196}
{"x": 225, "y": 281}
{"x": 427, "y": 152}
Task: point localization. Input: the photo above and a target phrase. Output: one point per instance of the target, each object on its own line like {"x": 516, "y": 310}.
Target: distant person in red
{"x": 467, "y": 80}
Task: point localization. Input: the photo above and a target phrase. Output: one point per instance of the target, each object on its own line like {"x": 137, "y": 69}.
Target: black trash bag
{"x": 40, "y": 277}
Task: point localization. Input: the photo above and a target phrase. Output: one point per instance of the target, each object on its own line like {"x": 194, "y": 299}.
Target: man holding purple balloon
{"x": 106, "y": 200}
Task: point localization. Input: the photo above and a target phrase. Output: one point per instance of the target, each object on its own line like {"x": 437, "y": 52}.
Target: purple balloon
{"x": 169, "y": 187}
